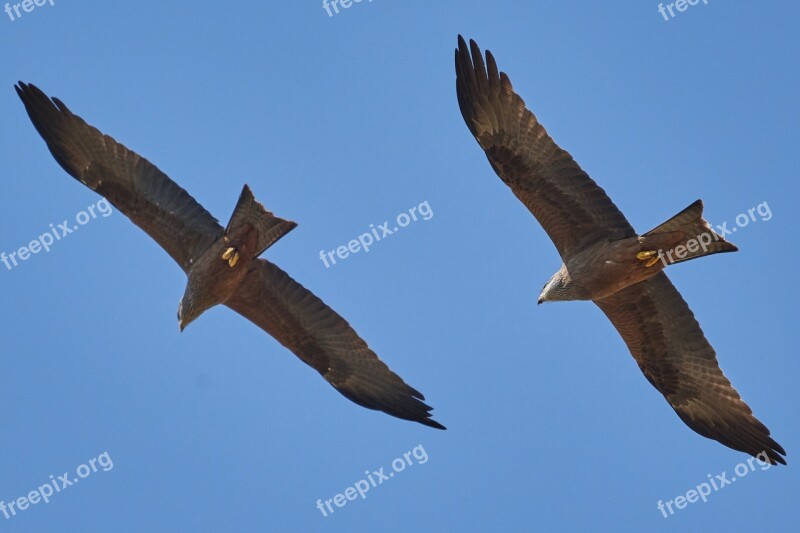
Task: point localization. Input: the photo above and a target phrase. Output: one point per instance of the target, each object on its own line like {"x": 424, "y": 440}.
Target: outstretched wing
{"x": 132, "y": 184}
{"x": 675, "y": 357}
{"x": 300, "y": 321}
{"x": 571, "y": 207}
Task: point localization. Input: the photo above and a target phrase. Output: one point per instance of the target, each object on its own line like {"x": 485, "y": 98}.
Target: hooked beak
{"x": 181, "y": 323}
{"x": 540, "y": 301}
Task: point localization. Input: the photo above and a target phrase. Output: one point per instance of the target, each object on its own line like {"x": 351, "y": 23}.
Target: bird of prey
{"x": 606, "y": 261}
{"x": 222, "y": 264}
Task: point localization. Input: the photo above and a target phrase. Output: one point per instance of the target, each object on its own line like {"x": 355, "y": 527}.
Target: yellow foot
{"x": 231, "y": 256}
{"x": 647, "y": 254}
{"x": 650, "y": 256}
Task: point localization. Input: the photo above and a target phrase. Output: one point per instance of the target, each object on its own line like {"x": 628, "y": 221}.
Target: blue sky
{"x": 339, "y": 122}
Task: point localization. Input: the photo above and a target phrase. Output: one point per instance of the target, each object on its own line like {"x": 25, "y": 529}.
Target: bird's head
{"x": 186, "y": 313}
{"x": 557, "y": 288}
{"x": 192, "y": 305}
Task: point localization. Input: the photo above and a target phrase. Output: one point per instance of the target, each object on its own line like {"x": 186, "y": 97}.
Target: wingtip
{"x": 470, "y": 47}
{"x": 27, "y": 89}
{"x": 776, "y": 453}
{"x": 432, "y": 424}
{"x": 774, "y": 456}
{"x": 423, "y": 417}
{"x": 21, "y": 89}
{"x": 36, "y": 100}
{"x": 474, "y": 48}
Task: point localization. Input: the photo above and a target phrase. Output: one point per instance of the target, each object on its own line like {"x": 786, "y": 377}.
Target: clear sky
{"x": 342, "y": 121}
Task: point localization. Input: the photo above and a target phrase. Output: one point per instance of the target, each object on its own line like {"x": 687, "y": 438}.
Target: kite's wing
{"x": 300, "y": 321}
{"x": 675, "y": 357}
{"x": 132, "y": 184}
{"x": 571, "y": 207}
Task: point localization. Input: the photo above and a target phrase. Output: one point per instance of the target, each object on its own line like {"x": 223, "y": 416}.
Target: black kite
{"x": 607, "y": 262}
{"x": 222, "y": 264}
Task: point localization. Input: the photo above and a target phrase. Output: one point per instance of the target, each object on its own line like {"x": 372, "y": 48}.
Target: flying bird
{"x": 607, "y": 262}
{"x": 222, "y": 265}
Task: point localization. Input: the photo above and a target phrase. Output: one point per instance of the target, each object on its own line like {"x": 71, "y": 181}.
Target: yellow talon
{"x": 233, "y": 260}
{"x": 652, "y": 262}
{"x": 228, "y": 253}
{"x": 641, "y": 256}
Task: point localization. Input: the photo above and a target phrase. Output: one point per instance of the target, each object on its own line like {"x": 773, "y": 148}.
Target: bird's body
{"x": 217, "y": 275}
{"x": 222, "y": 264}
{"x": 210, "y": 280}
{"x": 596, "y": 272}
{"x": 605, "y": 267}
{"x": 606, "y": 261}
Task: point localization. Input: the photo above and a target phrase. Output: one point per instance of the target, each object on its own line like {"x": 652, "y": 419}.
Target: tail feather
{"x": 696, "y": 237}
{"x": 269, "y": 227}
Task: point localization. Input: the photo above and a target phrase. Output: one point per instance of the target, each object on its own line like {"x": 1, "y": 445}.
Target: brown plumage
{"x": 222, "y": 264}
{"x": 607, "y": 262}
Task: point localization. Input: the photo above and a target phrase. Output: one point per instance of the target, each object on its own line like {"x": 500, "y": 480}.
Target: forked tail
{"x": 687, "y": 236}
{"x": 269, "y": 227}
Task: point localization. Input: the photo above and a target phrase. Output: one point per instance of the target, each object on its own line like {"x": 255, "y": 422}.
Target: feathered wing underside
{"x": 675, "y": 357}
{"x": 132, "y": 184}
{"x": 571, "y": 207}
{"x": 321, "y": 338}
